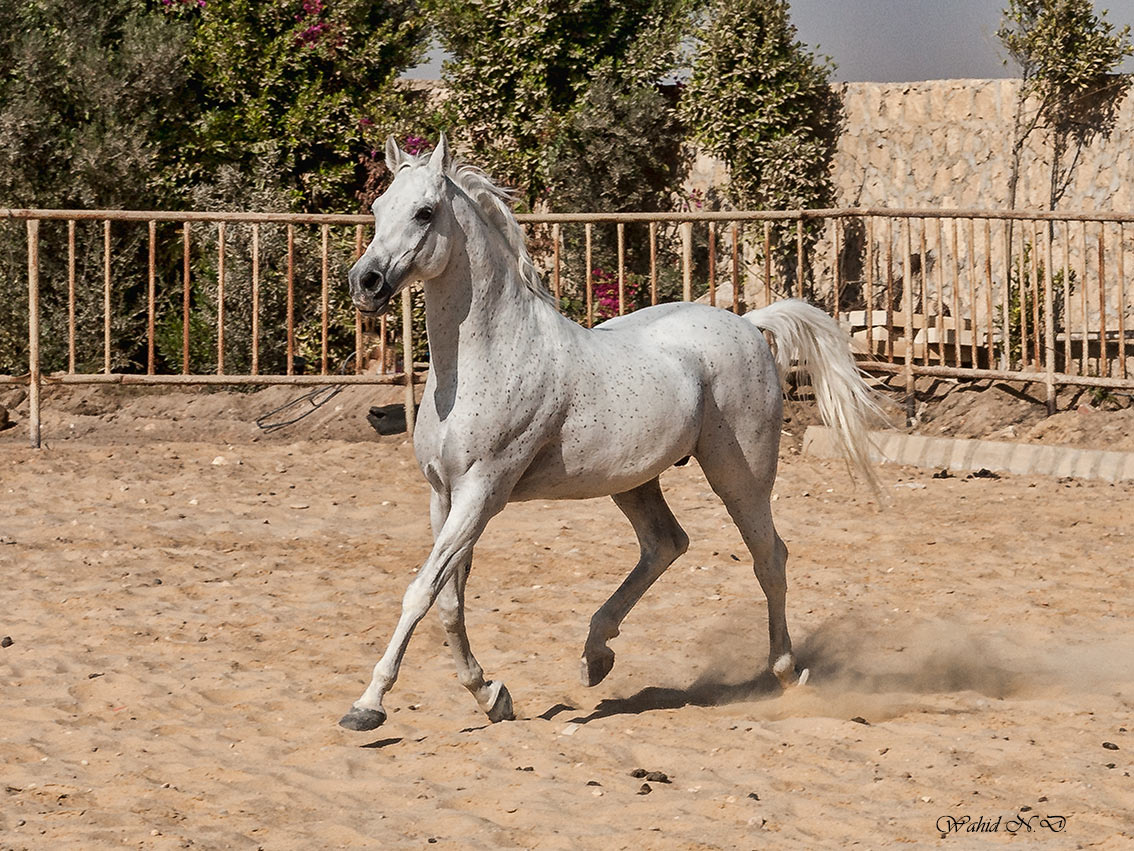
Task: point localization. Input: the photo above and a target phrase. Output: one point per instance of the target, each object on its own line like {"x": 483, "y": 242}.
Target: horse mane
{"x": 493, "y": 202}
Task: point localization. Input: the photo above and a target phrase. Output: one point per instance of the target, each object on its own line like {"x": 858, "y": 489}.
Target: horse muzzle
{"x": 370, "y": 291}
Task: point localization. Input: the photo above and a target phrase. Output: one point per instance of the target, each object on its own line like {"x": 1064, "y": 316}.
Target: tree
{"x": 144, "y": 104}
{"x": 763, "y": 104}
{"x": 87, "y": 96}
{"x": 1067, "y": 57}
{"x": 306, "y": 85}
{"x": 621, "y": 149}
{"x": 520, "y": 73}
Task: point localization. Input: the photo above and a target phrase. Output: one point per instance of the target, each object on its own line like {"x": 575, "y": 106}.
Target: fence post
{"x": 106, "y": 297}
{"x": 557, "y": 284}
{"x": 621, "y": 269}
{"x": 1048, "y": 324}
{"x": 325, "y": 300}
{"x": 151, "y": 280}
{"x": 653, "y": 262}
{"x": 835, "y": 270}
{"x": 33, "y": 331}
{"x": 799, "y": 270}
{"x": 291, "y": 299}
{"x": 407, "y": 356}
{"x": 687, "y": 261}
{"x": 255, "y": 297}
{"x": 185, "y": 272}
{"x": 71, "y": 297}
{"x": 868, "y": 315}
{"x": 713, "y": 263}
{"x": 1121, "y": 302}
{"x": 735, "y": 267}
{"x": 907, "y": 299}
{"x": 220, "y": 297}
{"x": 358, "y": 250}
{"x": 589, "y": 275}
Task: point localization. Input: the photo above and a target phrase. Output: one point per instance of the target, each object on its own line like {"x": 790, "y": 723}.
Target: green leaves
{"x": 133, "y": 104}
{"x": 302, "y": 74}
{"x": 759, "y": 101}
{"x": 520, "y": 71}
{"x": 84, "y": 102}
{"x": 1067, "y": 56}
{"x": 1061, "y": 45}
{"x": 764, "y": 105}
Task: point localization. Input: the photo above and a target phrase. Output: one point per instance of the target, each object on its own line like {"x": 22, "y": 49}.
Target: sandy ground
{"x": 190, "y": 614}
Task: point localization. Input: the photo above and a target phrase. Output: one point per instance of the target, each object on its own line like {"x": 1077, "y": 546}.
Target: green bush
{"x": 227, "y": 104}
{"x": 762, "y": 103}
{"x": 520, "y": 71}
{"x": 305, "y": 88}
{"x": 1022, "y": 346}
{"x": 86, "y": 95}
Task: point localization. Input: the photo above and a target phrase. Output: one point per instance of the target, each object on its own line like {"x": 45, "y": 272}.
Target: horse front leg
{"x": 453, "y": 549}
{"x": 492, "y": 696}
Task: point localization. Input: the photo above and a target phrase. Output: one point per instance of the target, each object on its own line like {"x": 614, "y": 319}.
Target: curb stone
{"x": 919, "y": 450}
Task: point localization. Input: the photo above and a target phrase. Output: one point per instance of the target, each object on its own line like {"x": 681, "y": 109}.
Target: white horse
{"x": 521, "y": 403}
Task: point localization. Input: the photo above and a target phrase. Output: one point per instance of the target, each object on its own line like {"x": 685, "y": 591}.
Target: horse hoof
{"x": 501, "y": 709}
{"x": 593, "y": 669}
{"x": 361, "y": 720}
{"x": 788, "y": 673}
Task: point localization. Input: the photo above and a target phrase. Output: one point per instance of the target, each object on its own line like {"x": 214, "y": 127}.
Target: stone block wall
{"x": 948, "y": 143}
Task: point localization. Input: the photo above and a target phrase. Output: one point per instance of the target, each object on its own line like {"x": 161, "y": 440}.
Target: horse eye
{"x": 423, "y": 215}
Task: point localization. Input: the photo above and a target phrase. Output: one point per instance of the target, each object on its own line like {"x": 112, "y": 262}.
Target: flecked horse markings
{"x": 520, "y": 404}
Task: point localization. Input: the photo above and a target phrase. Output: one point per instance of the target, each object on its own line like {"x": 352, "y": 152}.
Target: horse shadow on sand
{"x": 844, "y": 656}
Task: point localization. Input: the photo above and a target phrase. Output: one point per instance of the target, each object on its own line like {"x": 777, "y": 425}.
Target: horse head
{"x": 412, "y": 228}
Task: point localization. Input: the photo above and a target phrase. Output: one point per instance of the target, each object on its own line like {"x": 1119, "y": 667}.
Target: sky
{"x": 907, "y": 40}
{"x": 899, "y": 40}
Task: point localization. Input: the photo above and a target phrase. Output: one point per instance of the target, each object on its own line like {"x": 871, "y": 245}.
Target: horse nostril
{"x": 372, "y": 281}
{"x": 368, "y": 281}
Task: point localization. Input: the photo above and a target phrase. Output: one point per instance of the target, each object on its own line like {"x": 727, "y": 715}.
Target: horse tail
{"x": 847, "y": 405}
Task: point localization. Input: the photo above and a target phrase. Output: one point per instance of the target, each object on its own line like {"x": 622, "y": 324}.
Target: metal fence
{"x": 1028, "y": 296}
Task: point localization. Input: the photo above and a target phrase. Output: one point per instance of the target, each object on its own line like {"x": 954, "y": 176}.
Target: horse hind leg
{"x": 661, "y": 540}
{"x": 772, "y": 576}
{"x": 748, "y": 500}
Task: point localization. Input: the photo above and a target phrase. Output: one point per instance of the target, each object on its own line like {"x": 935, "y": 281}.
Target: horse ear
{"x": 441, "y": 158}
{"x": 394, "y": 155}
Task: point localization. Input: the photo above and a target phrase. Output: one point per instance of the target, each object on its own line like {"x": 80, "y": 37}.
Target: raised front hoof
{"x": 360, "y": 720}
{"x": 593, "y": 669}
{"x": 501, "y": 708}
{"x": 789, "y": 674}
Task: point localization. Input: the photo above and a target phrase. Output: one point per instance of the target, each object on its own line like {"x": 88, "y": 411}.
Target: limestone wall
{"x": 947, "y": 143}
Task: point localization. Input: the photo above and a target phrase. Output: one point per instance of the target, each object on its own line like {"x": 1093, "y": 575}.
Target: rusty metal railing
{"x": 1026, "y": 296}
{"x": 35, "y": 377}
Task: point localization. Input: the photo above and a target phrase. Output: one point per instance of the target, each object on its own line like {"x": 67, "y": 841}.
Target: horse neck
{"x": 479, "y": 311}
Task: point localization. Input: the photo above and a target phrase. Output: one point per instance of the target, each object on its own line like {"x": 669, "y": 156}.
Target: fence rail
{"x": 239, "y": 298}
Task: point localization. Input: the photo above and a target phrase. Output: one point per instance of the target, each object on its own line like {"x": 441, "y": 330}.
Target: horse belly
{"x": 613, "y": 448}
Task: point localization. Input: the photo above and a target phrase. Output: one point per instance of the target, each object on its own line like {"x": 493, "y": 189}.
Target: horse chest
{"x": 480, "y": 437}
